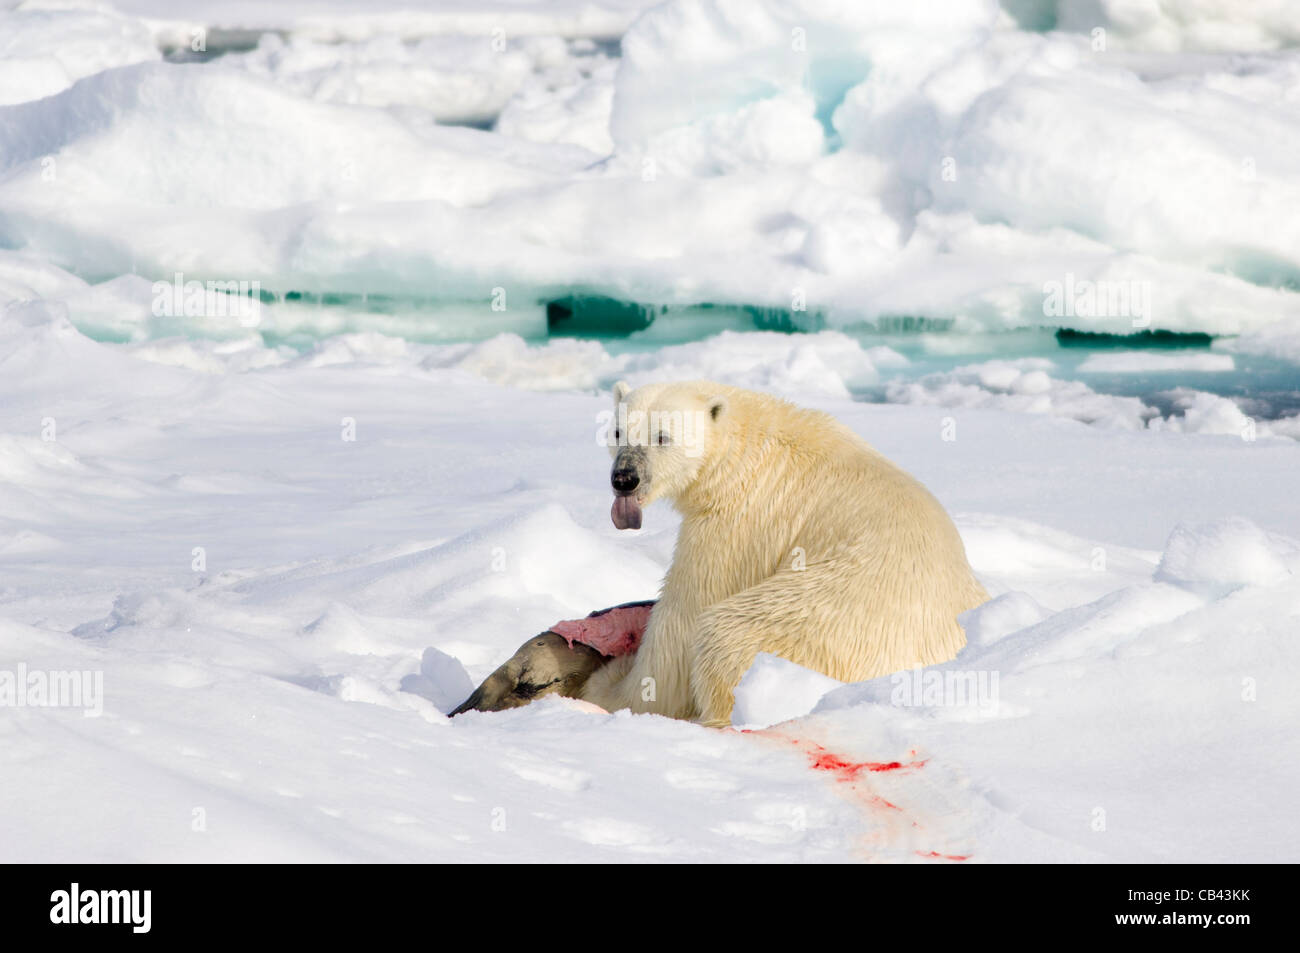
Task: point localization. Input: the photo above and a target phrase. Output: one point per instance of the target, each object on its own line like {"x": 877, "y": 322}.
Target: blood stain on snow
{"x": 843, "y": 769}
{"x": 878, "y": 801}
{"x": 823, "y": 760}
{"x": 854, "y": 775}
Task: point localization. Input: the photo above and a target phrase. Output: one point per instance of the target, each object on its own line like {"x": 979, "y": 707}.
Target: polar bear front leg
{"x": 780, "y": 616}
{"x": 724, "y": 653}
{"x": 607, "y": 687}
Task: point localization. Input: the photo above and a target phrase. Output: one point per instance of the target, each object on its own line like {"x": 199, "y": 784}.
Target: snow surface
{"x": 1144, "y": 631}
{"x": 289, "y": 543}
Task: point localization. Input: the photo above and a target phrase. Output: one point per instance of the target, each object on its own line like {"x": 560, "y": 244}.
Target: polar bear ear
{"x": 717, "y": 406}
{"x": 621, "y": 390}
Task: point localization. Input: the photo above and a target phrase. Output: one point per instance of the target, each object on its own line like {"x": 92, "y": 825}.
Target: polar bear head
{"x": 659, "y": 438}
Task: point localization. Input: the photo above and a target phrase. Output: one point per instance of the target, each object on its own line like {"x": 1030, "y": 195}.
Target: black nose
{"x": 625, "y": 481}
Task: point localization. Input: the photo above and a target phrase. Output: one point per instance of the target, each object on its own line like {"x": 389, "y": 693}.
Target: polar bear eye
{"x": 663, "y": 440}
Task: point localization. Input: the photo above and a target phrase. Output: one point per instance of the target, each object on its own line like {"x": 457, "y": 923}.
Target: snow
{"x": 449, "y": 78}
{"x": 774, "y": 690}
{"x": 827, "y": 363}
{"x": 866, "y": 161}
{"x": 1281, "y": 338}
{"x": 1175, "y": 25}
{"x": 290, "y": 687}
{"x": 1227, "y": 553}
{"x": 288, "y": 534}
{"x": 1138, "y": 362}
{"x": 1026, "y": 385}
{"x": 45, "y": 48}
{"x": 1159, "y": 692}
{"x": 347, "y": 20}
{"x": 455, "y": 79}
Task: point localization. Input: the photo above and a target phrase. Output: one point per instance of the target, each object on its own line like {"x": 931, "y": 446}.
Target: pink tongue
{"x": 626, "y": 514}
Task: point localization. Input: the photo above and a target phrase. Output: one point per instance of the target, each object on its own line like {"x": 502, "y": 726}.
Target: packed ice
{"x": 294, "y": 450}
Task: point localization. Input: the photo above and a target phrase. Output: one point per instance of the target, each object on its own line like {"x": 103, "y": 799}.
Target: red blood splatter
{"x": 853, "y": 775}
{"x": 823, "y": 760}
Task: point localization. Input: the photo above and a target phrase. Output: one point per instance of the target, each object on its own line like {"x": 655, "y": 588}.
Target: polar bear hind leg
{"x": 813, "y": 618}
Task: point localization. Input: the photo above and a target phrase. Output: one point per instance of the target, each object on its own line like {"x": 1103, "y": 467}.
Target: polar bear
{"x": 798, "y": 539}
